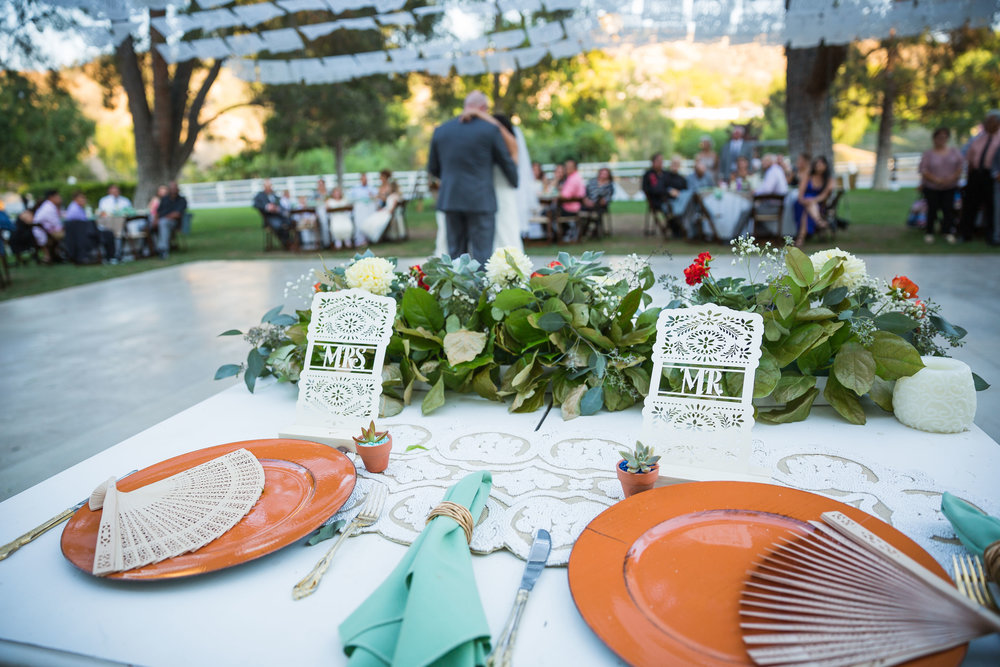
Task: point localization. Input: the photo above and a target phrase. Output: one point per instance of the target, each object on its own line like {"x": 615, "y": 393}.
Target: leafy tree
{"x": 809, "y": 76}
{"x": 42, "y": 127}
{"x": 962, "y": 74}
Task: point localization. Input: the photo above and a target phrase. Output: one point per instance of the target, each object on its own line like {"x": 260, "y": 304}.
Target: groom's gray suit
{"x": 462, "y": 155}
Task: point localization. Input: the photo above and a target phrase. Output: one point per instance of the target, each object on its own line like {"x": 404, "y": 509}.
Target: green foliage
{"x": 116, "y": 149}
{"x": 43, "y": 129}
{"x": 963, "y": 73}
{"x": 585, "y": 141}
{"x": 689, "y": 136}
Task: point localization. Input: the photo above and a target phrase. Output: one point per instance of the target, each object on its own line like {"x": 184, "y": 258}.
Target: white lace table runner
{"x": 562, "y": 476}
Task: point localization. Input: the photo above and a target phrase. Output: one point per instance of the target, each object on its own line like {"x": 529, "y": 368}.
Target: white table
{"x": 245, "y": 615}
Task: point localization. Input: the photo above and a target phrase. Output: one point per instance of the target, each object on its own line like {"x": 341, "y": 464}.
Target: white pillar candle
{"x": 940, "y": 398}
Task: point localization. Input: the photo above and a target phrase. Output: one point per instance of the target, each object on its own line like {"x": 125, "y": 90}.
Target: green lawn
{"x": 877, "y": 226}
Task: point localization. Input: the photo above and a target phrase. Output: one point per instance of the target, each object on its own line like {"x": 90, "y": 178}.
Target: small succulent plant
{"x": 370, "y": 437}
{"x": 641, "y": 460}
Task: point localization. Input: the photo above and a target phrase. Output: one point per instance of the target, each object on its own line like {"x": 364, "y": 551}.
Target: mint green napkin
{"x": 427, "y": 611}
{"x": 975, "y": 529}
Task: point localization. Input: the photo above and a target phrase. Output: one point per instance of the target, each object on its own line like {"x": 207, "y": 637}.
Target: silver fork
{"x": 970, "y": 579}
{"x": 369, "y": 514}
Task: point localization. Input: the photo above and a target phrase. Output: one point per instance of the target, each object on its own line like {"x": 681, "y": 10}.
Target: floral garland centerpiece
{"x": 576, "y": 330}
{"x": 824, "y": 317}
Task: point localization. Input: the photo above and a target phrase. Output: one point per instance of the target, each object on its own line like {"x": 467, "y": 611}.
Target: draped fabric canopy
{"x": 472, "y": 49}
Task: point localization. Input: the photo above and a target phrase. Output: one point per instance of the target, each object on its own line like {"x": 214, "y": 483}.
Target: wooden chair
{"x": 271, "y": 239}
{"x": 591, "y": 221}
{"x": 336, "y": 210}
{"x": 668, "y": 222}
{"x": 565, "y": 225}
{"x": 700, "y": 217}
{"x": 136, "y": 238}
{"x": 654, "y": 219}
{"x": 829, "y": 208}
{"x": 766, "y": 211}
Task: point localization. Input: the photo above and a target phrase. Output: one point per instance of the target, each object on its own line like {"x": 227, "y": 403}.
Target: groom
{"x": 462, "y": 156}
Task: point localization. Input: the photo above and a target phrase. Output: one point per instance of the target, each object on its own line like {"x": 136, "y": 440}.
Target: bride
{"x": 513, "y": 204}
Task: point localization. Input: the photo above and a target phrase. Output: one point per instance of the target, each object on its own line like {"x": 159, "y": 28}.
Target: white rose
{"x": 373, "y": 274}
{"x": 855, "y": 272}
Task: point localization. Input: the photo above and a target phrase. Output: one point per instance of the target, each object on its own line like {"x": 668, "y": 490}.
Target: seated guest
{"x": 363, "y": 200}
{"x": 789, "y": 226}
{"x": 385, "y": 187}
{"x": 707, "y": 155}
{"x": 275, "y": 216}
{"x": 169, "y": 215}
{"x": 374, "y": 225}
{"x": 154, "y": 203}
{"x": 600, "y": 191}
{"x": 678, "y": 192}
{"x": 554, "y": 183}
{"x": 83, "y": 236}
{"x": 741, "y": 180}
{"x": 572, "y": 188}
{"x": 700, "y": 179}
{"x": 654, "y": 185}
{"x": 774, "y": 182}
{"x": 46, "y": 215}
{"x": 306, "y": 223}
{"x": 813, "y": 191}
{"x": 340, "y": 227}
{"x": 319, "y": 197}
{"x": 113, "y": 203}
{"x": 286, "y": 202}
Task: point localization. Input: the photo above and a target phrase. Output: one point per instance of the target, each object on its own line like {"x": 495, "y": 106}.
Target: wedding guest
{"x": 678, "y": 193}
{"x": 113, "y": 203}
{"x": 274, "y": 214}
{"x": 701, "y": 178}
{"x": 340, "y": 227}
{"x": 813, "y": 191}
{"x": 983, "y": 156}
{"x": 363, "y": 199}
{"x": 940, "y": 169}
{"x": 706, "y": 155}
{"x": 46, "y": 215}
{"x": 789, "y": 225}
{"x": 154, "y": 203}
{"x": 537, "y": 184}
{"x": 572, "y": 188}
{"x": 83, "y": 236}
{"x": 170, "y": 213}
{"x": 554, "y": 183}
{"x": 385, "y": 187}
{"x": 654, "y": 184}
{"x": 306, "y": 223}
{"x": 741, "y": 180}
{"x": 775, "y": 181}
{"x": 600, "y": 191}
{"x": 736, "y": 147}
{"x": 286, "y": 202}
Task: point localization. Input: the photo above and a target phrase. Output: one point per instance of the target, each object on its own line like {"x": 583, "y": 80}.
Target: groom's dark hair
{"x": 504, "y": 120}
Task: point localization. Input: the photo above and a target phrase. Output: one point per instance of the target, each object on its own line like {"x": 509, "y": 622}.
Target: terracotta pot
{"x": 376, "y": 457}
{"x": 637, "y": 482}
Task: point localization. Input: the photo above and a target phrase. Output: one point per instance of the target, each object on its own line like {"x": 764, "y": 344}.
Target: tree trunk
{"x": 885, "y": 124}
{"x": 808, "y": 108}
{"x": 165, "y": 131}
{"x": 338, "y": 156}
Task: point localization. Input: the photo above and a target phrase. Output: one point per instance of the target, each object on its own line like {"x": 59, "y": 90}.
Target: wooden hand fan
{"x": 840, "y": 595}
{"x": 175, "y": 515}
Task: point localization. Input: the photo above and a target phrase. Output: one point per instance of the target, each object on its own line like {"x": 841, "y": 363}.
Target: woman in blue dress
{"x": 813, "y": 191}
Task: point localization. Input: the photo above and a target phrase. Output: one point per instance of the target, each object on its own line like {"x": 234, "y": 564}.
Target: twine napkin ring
{"x": 459, "y": 513}
{"x": 991, "y": 559}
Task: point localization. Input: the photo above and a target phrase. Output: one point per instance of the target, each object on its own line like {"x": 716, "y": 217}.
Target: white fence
{"x": 413, "y": 184}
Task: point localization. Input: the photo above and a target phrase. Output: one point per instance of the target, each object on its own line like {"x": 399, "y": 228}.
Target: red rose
{"x": 907, "y": 286}
{"x": 695, "y": 273}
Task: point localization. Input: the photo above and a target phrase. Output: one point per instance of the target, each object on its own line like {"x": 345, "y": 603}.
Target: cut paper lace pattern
{"x": 175, "y": 515}
{"x": 547, "y": 480}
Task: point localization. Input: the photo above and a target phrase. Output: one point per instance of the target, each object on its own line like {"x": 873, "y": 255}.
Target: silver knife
{"x": 537, "y": 557}
{"x": 43, "y": 528}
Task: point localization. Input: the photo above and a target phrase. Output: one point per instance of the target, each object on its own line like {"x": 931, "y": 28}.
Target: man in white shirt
{"x": 113, "y": 203}
{"x": 775, "y": 182}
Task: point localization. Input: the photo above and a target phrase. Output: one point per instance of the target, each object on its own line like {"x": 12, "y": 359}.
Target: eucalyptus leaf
{"x": 897, "y": 323}
{"x": 648, "y": 317}
{"x": 255, "y": 368}
{"x": 592, "y": 400}
{"x": 894, "y": 357}
{"x": 421, "y": 309}
{"x": 580, "y": 313}
{"x": 452, "y": 323}
{"x": 232, "y": 332}
{"x": 800, "y": 268}
{"x": 389, "y": 406}
{"x": 599, "y": 363}
{"x": 945, "y": 327}
{"x": 228, "y": 370}
{"x": 551, "y": 322}
{"x": 980, "y": 383}
{"x": 284, "y": 320}
{"x": 881, "y": 393}
{"x": 834, "y": 296}
{"x": 596, "y": 337}
{"x": 434, "y": 398}
{"x": 512, "y": 299}
{"x": 325, "y": 532}
{"x": 571, "y": 404}
{"x": 854, "y": 367}
{"x": 271, "y": 314}
{"x": 794, "y": 411}
{"x": 844, "y": 401}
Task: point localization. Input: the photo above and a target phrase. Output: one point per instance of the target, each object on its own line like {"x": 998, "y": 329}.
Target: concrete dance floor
{"x": 84, "y": 368}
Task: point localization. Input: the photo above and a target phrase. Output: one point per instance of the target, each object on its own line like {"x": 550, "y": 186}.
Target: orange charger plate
{"x": 658, "y": 576}
{"x": 304, "y": 484}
